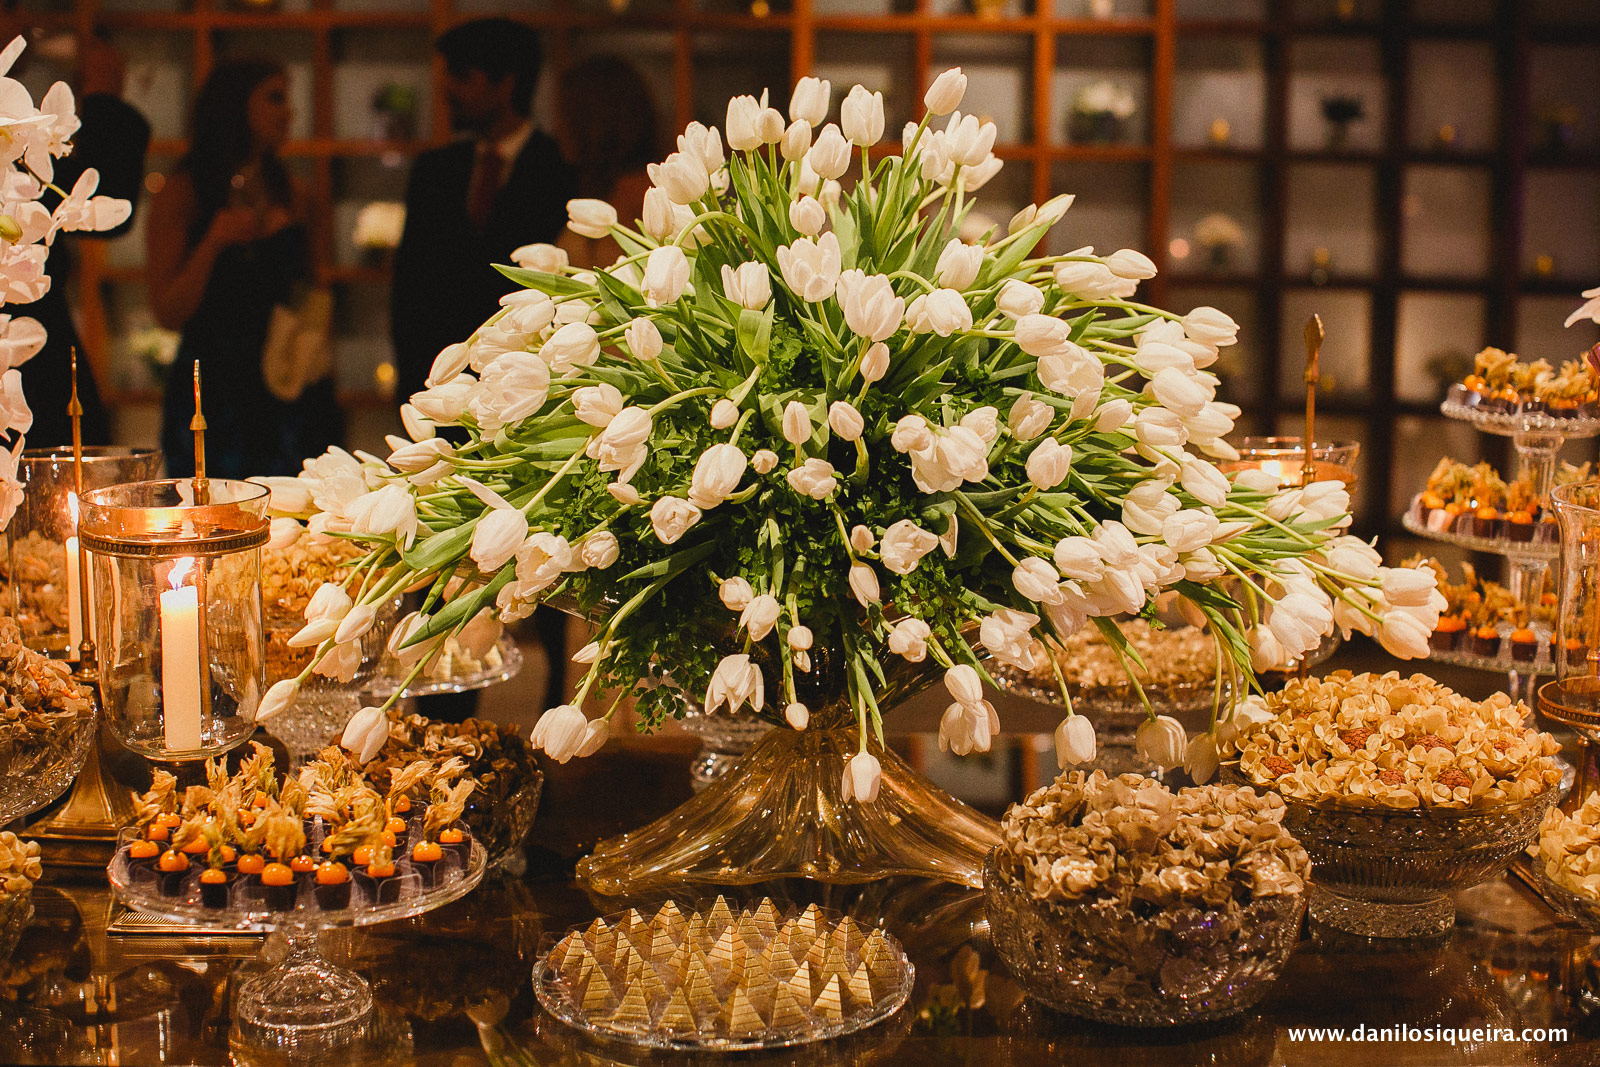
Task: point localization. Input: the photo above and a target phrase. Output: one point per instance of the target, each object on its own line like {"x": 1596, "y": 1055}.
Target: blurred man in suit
{"x": 468, "y": 205}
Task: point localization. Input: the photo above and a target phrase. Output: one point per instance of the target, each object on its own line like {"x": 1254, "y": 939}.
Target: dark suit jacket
{"x": 445, "y": 284}
{"x": 112, "y": 139}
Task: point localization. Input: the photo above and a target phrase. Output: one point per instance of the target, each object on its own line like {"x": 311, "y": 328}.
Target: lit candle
{"x": 180, "y": 660}
{"x": 77, "y": 608}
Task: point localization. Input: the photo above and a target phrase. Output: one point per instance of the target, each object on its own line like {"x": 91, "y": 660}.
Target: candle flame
{"x": 180, "y": 571}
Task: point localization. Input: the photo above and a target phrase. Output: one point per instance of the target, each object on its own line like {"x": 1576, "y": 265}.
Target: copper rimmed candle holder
{"x": 177, "y": 577}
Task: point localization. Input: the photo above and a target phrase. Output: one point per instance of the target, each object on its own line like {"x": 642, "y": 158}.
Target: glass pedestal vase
{"x": 779, "y": 814}
{"x": 306, "y": 1003}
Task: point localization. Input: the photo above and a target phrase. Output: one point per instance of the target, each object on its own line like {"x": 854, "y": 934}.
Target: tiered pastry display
{"x": 46, "y": 725}
{"x": 316, "y": 849}
{"x": 1118, "y": 900}
{"x": 762, "y": 977}
{"x": 1402, "y": 791}
{"x": 500, "y": 810}
{"x": 1540, "y": 408}
{"x": 1484, "y": 625}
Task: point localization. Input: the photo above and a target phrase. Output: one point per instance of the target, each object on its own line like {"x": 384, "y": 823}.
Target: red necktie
{"x": 485, "y": 184}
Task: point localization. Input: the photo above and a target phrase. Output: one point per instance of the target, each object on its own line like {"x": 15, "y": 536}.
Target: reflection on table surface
{"x": 75, "y": 994}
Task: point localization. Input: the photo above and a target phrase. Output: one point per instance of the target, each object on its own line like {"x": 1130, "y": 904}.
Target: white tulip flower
{"x": 862, "y": 777}
{"x": 749, "y": 285}
{"x": 284, "y": 532}
{"x": 599, "y": 550}
{"x": 810, "y": 268}
{"x": 1204, "y": 482}
{"x": 643, "y": 339}
{"x": 703, "y": 145}
{"x": 862, "y": 538}
{"x": 797, "y": 715}
{"x": 760, "y": 616}
{"x": 864, "y": 585}
{"x": 964, "y": 730}
{"x": 1072, "y": 372}
{"x": 597, "y": 405}
{"x": 624, "y": 494}
{"x": 666, "y": 275}
{"x": 658, "y": 219}
{"x": 541, "y": 257}
{"x": 813, "y": 478}
{"x": 763, "y": 461}
{"x": 909, "y": 640}
{"x": 1017, "y": 299}
{"x": 1049, "y": 464}
{"x": 1042, "y": 335}
{"x": 945, "y": 94}
{"x": 903, "y": 546}
{"x": 591, "y": 218}
{"x": 845, "y": 421}
{"x": 1008, "y": 634}
{"x": 1189, "y": 530}
{"x": 1091, "y": 280}
{"x": 684, "y": 179}
{"x": 871, "y": 308}
{"x": 450, "y": 362}
{"x": 280, "y": 697}
{"x": 356, "y": 623}
{"x": 1161, "y": 741}
{"x": 796, "y": 142}
{"x": 809, "y": 101}
{"x": 808, "y": 216}
{"x": 947, "y": 312}
{"x": 800, "y": 638}
{"x": 498, "y": 535}
{"x": 1075, "y": 742}
{"x": 1209, "y": 326}
{"x": 966, "y": 140}
{"x": 829, "y": 155}
{"x": 735, "y": 593}
{"x": 796, "y": 423}
{"x": 724, "y": 413}
{"x": 365, "y": 734}
{"x": 716, "y": 475}
{"x": 958, "y": 264}
{"x": 1185, "y": 394}
{"x": 742, "y": 124}
{"x": 1029, "y": 417}
{"x": 1130, "y": 264}
{"x": 1079, "y": 559}
{"x": 861, "y": 115}
{"x": 574, "y": 345}
{"x": 875, "y": 362}
{"x": 671, "y": 517}
{"x": 736, "y": 682}
{"x": 561, "y": 731}
{"x": 1113, "y": 415}
{"x": 1200, "y": 759}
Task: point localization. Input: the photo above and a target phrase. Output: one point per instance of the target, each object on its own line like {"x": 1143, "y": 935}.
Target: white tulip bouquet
{"x": 798, "y": 416}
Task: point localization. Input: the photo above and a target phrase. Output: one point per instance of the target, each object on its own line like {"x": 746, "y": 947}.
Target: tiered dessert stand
{"x": 1537, "y": 437}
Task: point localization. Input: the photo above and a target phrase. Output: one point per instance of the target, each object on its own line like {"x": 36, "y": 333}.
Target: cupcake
{"x": 1486, "y": 522}
{"x": 278, "y": 885}
{"x": 172, "y": 870}
{"x": 214, "y": 887}
{"x": 333, "y": 886}
{"x": 1485, "y": 641}
{"x": 425, "y": 857}
{"x": 1447, "y": 635}
{"x": 1524, "y": 645}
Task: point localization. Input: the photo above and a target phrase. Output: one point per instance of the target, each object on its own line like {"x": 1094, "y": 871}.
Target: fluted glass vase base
{"x": 779, "y": 814}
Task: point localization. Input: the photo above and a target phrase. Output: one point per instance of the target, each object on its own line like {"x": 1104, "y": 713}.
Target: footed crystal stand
{"x": 305, "y": 1003}
{"x": 778, "y": 814}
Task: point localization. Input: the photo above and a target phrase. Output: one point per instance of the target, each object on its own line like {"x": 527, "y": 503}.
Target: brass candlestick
{"x": 1314, "y": 338}
{"x": 86, "y": 663}
{"x": 202, "y": 497}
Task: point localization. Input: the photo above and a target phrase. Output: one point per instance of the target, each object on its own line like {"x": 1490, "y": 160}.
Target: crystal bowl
{"x": 1388, "y": 873}
{"x": 1139, "y": 965}
{"x": 37, "y": 767}
{"x": 1575, "y": 908}
{"x": 16, "y": 911}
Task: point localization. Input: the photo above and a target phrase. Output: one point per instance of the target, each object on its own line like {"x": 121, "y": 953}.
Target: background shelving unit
{"x": 1435, "y": 246}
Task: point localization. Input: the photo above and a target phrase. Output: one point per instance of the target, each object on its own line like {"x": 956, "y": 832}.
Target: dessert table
{"x": 453, "y": 986}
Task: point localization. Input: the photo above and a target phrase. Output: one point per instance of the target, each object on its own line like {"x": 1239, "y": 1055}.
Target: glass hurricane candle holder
{"x": 1285, "y": 458}
{"x": 42, "y": 557}
{"x": 178, "y": 612}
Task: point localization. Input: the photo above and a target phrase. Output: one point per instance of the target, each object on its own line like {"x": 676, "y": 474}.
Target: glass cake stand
{"x": 305, "y": 1003}
{"x": 387, "y": 681}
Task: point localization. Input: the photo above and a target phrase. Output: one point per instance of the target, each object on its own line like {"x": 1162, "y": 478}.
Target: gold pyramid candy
{"x": 742, "y": 1017}
{"x": 637, "y": 968}
{"x": 729, "y": 950}
{"x": 678, "y": 965}
{"x": 670, "y": 917}
{"x": 808, "y": 921}
{"x": 676, "y": 1015}
{"x": 778, "y": 959}
{"x": 662, "y": 944}
{"x": 597, "y": 995}
{"x": 579, "y": 962}
{"x": 558, "y": 955}
{"x": 766, "y": 917}
{"x": 633, "y": 1013}
{"x": 860, "y": 986}
{"x": 760, "y": 986}
{"x": 624, "y": 957}
{"x": 828, "y": 1003}
{"x": 601, "y": 939}
{"x": 787, "y": 1009}
{"x": 800, "y": 984}
{"x": 702, "y": 1000}
{"x": 833, "y": 961}
{"x": 697, "y": 932}
{"x": 749, "y": 932}
{"x": 816, "y": 953}
{"x": 841, "y": 937}
{"x": 654, "y": 988}
{"x": 720, "y": 916}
